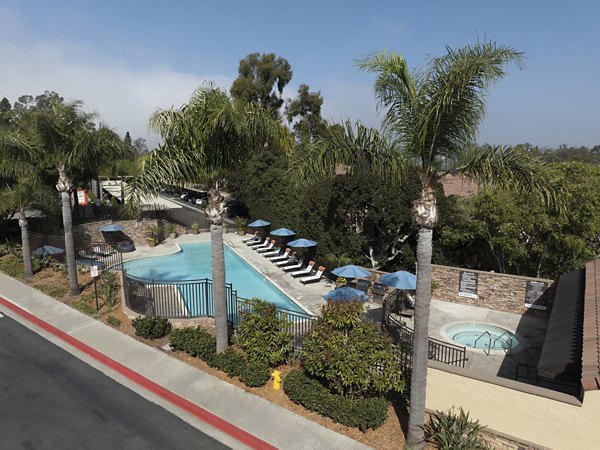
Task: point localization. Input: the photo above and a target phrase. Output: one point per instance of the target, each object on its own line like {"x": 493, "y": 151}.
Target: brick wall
{"x": 496, "y": 291}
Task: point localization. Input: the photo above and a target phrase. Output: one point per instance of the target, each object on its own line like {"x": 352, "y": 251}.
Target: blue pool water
{"x": 193, "y": 262}
{"x": 481, "y": 335}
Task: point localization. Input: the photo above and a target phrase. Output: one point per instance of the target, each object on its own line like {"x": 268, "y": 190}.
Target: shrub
{"x": 350, "y": 355}
{"x": 451, "y": 431}
{"x": 113, "y": 321}
{"x": 255, "y": 374}
{"x": 151, "y": 327}
{"x": 263, "y": 335}
{"x": 109, "y": 287}
{"x": 230, "y": 362}
{"x": 361, "y": 413}
{"x": 195, "y": 341}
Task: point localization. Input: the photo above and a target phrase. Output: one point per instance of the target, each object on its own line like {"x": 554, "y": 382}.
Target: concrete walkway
{"x": 145, "y": 367}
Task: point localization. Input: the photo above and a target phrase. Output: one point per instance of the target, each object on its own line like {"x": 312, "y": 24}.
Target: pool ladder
{"x": 490, "y": 343}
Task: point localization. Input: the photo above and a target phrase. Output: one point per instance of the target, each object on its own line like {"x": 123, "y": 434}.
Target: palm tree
{"x": 69, "y": 141}
{"x": 431, "y": 115}
{"x": 27, "y": 193}
{"x": 203, "y": 140}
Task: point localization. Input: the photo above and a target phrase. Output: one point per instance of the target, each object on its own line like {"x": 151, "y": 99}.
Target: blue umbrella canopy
{"x": 259, "y": 223}
{"x": 111, "y": 227}
{"x": 351, "y": 271}
{"x": 48, "y": 250}
{"x": 302, "y": 243}
{"x": 283, "y": 232}
{"x": 400, "y": 280}
{"x": 346, "y": 293}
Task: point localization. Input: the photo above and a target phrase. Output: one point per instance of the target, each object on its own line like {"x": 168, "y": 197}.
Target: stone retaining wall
{"x": 132, "y": 230}
{"x": 492, "y": 290}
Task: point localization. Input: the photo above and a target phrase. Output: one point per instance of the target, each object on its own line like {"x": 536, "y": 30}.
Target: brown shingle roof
{"x": 590, "y": 373}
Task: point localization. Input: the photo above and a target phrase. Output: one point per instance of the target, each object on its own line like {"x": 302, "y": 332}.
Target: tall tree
{"x": 261, "y": 79}
{"x": 203, "y": 140}
{"x": 68, "y": 141}
{"x": 430, "y": 117}
{"x": 305, "y": 112}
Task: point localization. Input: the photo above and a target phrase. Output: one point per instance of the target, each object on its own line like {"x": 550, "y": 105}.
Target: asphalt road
{"x": 51, "y": 400}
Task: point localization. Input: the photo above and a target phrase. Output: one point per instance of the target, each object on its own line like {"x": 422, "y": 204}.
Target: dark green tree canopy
{"x": 305, "y": 110}
{"x": 261, "y": 80}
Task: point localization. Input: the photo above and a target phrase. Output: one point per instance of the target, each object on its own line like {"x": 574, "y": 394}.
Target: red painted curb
{"x": 202, "y": 414}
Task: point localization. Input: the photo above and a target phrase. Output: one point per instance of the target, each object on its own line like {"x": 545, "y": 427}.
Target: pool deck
{"x": 530, "y": 330}
{"x": 309, "y": 296}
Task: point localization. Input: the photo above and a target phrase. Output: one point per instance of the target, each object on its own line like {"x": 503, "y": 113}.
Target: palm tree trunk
{"x": 218, "y": 276}
{"x": 420, "y": 352}
{"x": 69, "y": 243}
{"x": 25, "y": 248}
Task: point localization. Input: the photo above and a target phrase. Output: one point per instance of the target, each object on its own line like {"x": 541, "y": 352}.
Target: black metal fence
{"x": 101, "y": 254}
{"x": 441, "y": 351}
{"x": 194, "y": 298}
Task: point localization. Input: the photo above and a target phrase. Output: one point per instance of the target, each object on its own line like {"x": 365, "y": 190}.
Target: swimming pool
{"x": 482, "y": 336}
{"x": 194, "y": 262}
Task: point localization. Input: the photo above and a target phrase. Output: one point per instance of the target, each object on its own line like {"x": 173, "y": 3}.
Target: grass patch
{"x": 12, "y": 266}
{"x": 113, "y": 321}
{"x": 57, "y": 292}
{"x": 83, "y": 306}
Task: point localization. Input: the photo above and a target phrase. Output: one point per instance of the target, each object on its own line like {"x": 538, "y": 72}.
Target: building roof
{"x": 590, "y": 371}
{"x": 458, "y": 185}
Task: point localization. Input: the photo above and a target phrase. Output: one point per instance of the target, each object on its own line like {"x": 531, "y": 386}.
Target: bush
{"x": 255, "y": 374}
{"x": 109, "y": 287}
{"x": 151, "y": 327}
{"x": 195, "y": 341}
{"x": 310, "y": 393}
{"x": 262, "y": 334}
{"x": 12, "y": 266}
{"x": 350, "y": 355}
{"x": 230, "y": 362}
{"x": 451, "y": 431}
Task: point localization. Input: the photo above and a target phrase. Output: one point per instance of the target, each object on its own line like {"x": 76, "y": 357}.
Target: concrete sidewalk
{"x": 262, "y": 419}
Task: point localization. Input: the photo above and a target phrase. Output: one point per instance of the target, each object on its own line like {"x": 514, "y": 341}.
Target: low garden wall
{"x": 497, "y": 291}
{"x": 521, "y": 413}
{"x": 132, "y": 229}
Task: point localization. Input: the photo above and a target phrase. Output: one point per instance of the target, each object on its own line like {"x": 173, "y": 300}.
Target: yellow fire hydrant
{"x": 276, "y": 379}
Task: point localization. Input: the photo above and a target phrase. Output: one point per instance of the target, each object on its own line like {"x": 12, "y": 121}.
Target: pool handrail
{"x": 489, "y": 341}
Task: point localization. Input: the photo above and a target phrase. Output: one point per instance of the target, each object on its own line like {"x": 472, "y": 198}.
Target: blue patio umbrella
{"x": 48, "y": 250}
{"x": 400, "y": 280}
{"x": 111, "y": 227}
{"x": 259, "y": 223}
{"x": 302, "y": 243}
{"x": 283, "y": 232}
{"x": 346, "y": 293}
{"x": 351, "y": 271}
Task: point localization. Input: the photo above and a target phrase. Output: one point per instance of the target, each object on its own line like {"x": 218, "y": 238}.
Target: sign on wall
{"x": 467, "y": 284}
{"x": 533, "y": 291}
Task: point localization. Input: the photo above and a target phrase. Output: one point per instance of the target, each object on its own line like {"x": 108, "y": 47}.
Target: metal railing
{"x": 177, "y": 299}
{"x": 440, "y": 351}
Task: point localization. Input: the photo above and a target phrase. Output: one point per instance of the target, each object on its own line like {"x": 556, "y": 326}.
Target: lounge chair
{"x": 101, "y": 251}
{"x": 297, "y": 266}
{"x": 279, "y": 256}
{"x": 291, "y": 261}
{"x": 313, "y": 278}
{"x": 268, "y": 248}
{"x": 260, "y": 241}
{"x": 272, "y": 253}
{"x": 362, "y": 285}
{"x": 254, "y": 238}
{"x": 265, "y": 244}
{"x": 304, "y": 272}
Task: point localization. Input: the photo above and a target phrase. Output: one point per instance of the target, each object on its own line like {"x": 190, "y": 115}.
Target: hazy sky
{"x": 125, "y": 59}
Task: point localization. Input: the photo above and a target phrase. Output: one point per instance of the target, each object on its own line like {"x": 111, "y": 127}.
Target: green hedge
{"x": 310, "y": 393}
{"x": 199, "y": 342}
{"x": 151, "y": 327}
